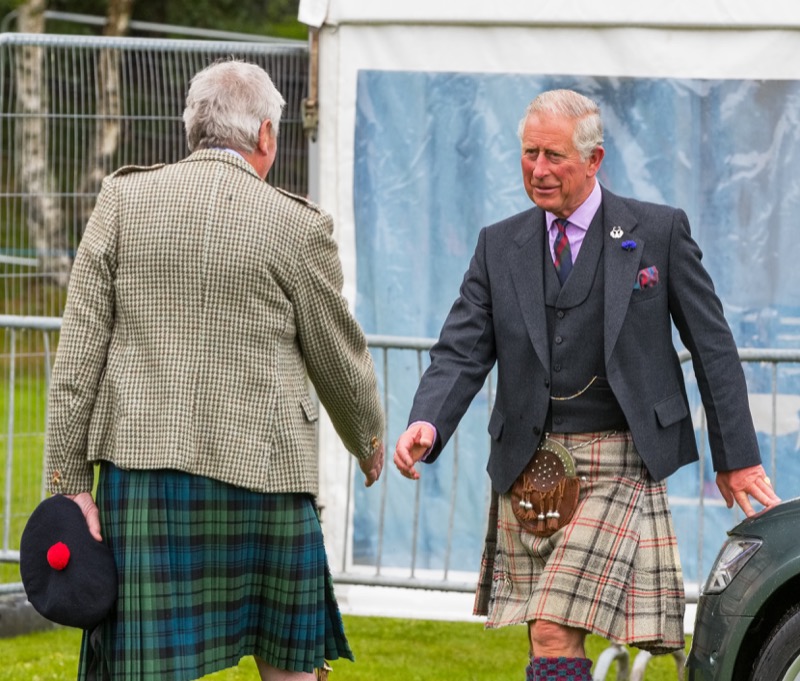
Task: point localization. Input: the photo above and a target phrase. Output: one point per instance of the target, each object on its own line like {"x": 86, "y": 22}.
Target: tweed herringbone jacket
{"x": 200, "y": 303}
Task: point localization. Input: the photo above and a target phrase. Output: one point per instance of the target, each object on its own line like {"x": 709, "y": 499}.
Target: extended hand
{"x": 90, "y": 512}
{"x": 740, "y": 484}
{"x": 411, "y": 447}
{"x": 372, "y": 466}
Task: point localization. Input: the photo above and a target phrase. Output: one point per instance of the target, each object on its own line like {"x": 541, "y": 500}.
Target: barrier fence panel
{"x": 392, "y": 559}
{"x": 388, "y": 547}
{"x": 26, "y": 357}
{"x": 74, "y": 108}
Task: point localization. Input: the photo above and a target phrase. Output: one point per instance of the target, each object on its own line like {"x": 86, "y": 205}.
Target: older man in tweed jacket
{"x": 201, "y": 301}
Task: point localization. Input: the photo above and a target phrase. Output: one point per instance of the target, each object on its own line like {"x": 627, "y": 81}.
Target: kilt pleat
{"x": 613, "y": 570}
{"x": 210, "y": 573}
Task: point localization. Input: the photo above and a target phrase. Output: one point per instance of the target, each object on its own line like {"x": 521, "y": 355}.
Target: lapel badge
{"x": 616, "y": 232}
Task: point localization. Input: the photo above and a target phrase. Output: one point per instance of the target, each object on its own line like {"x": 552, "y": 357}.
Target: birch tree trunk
{"x": 109, "y": 103}
{"x": 44, "y": 213}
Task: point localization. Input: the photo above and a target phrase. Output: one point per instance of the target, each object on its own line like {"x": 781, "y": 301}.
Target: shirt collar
{"x": 230, "y": 151}
{"x": 584, "y": 214}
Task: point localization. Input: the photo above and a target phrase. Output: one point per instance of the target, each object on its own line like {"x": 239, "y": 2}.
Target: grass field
{"x": 386, "y": 650}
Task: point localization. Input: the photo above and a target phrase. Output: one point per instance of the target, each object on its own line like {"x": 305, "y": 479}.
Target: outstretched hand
{"x": 90, "y": 512}
{"x": 411, "y": 447}
{"x": 372, "y": 466}
{"x": 741, "y": 484}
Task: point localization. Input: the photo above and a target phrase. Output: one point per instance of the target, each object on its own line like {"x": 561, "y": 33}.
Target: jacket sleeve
{"x": 81, "y": 357}
{"x": 334, "y": 348}
{"x": 461, "y": 358}
{"x": 698, "y": 315}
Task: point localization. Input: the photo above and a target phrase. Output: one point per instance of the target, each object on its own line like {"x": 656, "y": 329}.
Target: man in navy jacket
{"x": 574, "y": 300}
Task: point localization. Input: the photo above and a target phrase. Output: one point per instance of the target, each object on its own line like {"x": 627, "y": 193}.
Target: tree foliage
{"x": 260, "y": 17}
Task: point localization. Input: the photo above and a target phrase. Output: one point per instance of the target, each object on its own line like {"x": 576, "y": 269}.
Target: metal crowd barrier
{"x": 25, "y": 367}
{"x": 25, "y": 376}
{"x": 74, "y": 108}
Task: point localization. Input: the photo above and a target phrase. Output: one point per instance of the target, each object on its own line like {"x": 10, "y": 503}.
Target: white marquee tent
{"x": 739, "y": 54}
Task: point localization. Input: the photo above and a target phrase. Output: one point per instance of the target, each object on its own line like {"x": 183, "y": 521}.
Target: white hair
{"x": 570, "y": 104}
{"x": 226, "y": 104}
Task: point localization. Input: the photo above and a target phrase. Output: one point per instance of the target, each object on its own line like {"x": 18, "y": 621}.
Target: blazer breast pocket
{"x": 647, "y": 284}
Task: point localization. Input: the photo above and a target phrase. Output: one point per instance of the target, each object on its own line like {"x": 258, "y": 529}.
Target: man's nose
{"x": 541, "y": 167}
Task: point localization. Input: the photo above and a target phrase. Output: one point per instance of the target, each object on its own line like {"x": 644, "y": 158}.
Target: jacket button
{"x": 559, "y": 340}
{"x": 537, "y": 430}
{"x": 556, "y": 367}
{"x": 546, "y": 383}
{"x": 560, "y": 314}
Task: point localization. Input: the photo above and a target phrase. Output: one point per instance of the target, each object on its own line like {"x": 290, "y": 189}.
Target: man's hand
{"x": 90, "y": 512}
{"x": 372, "y": 466}
{"x": 411, "y": 447}
{"x": 740, "y": 484}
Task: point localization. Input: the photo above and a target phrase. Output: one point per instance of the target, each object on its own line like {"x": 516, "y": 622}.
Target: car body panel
{"x": 725, "y": 622}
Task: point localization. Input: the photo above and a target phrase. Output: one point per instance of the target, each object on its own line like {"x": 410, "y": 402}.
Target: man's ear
{"x": 595, "y": 159}
{"x": 264, "y": 135}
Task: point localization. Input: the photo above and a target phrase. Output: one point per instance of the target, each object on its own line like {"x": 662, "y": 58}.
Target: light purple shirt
{"x": 578, "y": 223}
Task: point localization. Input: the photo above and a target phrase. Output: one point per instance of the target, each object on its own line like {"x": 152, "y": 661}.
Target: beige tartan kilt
{"x": 613, "y": 570}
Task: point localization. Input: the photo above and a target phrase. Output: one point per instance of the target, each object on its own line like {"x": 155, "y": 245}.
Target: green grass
{"x": 386, "y": 650}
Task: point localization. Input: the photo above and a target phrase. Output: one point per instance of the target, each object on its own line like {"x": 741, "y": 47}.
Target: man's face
{"x": 554, "y": 175}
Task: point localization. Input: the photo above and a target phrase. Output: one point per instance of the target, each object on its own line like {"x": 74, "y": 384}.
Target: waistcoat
{"x": 581, "y": 401}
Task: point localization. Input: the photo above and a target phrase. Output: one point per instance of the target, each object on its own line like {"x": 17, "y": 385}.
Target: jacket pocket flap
{"x": 309, "y": 408}
{"x": 671, "y": 410}
{"x": 496, "y": 421}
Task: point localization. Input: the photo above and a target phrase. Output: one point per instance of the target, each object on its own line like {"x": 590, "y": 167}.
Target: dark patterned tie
{"x": 562, "y": 255}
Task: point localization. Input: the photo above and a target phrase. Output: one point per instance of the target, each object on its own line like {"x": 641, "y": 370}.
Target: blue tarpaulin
{"x": 437, "y": 158}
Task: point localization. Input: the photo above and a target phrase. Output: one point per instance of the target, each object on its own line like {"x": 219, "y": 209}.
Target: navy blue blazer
{"x": 499, "y": 317}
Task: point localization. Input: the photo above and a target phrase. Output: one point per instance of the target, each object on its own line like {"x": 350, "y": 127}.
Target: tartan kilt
{"x": 614, "y": 570}
{"x": 210, "y": 573}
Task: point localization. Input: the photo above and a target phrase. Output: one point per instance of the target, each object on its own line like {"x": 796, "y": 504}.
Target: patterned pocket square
{"x": 647, "y": 278}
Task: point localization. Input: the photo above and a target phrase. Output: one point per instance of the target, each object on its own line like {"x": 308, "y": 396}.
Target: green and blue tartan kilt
{"x": 210, "y": 573}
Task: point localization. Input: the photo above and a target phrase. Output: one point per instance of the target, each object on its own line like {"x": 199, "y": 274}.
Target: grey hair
{"x": 570, "y": 104}
{"x": 226, "y": 104}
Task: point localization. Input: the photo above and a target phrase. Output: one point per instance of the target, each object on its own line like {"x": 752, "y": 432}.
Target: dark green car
{"x": 748, "y": 616}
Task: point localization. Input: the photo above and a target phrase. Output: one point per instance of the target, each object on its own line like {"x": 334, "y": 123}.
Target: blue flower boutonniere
{"x": 628, "y": 245}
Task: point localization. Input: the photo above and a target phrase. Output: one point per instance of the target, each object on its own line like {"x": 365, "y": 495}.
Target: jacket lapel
{"x": 525, "y": 261}
{"x": 621, "y": 265}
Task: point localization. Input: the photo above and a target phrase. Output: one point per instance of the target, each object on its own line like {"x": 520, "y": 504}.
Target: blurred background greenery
{"x": 262, "y": 17}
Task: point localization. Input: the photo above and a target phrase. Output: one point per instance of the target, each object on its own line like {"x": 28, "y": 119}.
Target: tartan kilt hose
{"x": 614, "y": 570}
{"x": 210, "y": 573}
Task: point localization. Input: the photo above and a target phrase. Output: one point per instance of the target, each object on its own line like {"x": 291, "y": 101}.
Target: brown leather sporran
{"x": 545, "y": 495}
